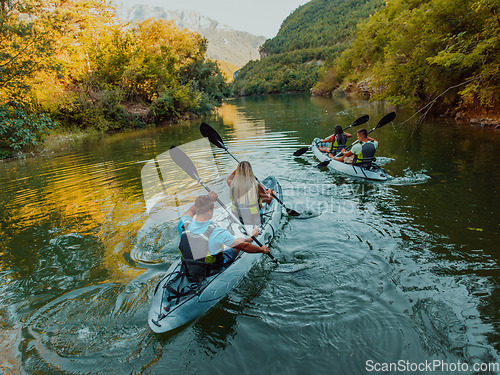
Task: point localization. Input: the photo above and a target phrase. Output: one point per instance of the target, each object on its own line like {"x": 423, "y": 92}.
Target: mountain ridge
{"x": 225, "y": 43}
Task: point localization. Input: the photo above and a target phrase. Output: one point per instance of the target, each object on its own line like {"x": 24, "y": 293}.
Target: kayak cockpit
{"x": 366, "y": 169}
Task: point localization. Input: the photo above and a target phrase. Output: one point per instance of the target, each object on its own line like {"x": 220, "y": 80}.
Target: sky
{"x": 258, "y": 17}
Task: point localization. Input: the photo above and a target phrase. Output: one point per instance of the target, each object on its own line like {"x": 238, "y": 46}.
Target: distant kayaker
{"x": 337, "y": 141}
{"x": 203, "y": 240}
{"x": 247, "y": 195}
{"x": 363, "y": 150}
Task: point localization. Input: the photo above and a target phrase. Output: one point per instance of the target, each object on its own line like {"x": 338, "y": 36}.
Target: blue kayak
{"x": 177, "y": 300}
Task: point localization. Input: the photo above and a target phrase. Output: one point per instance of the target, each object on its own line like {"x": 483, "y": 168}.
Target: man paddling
{"x": 203, "y": 240}
{"x": 362, "y": 151}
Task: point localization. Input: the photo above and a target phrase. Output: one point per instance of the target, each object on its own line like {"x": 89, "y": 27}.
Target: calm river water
{"x": 396, "y": 276}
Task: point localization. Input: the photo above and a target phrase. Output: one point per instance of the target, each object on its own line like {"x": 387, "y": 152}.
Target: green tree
{"x": 74, "y": 60}
{"x": 314, "y": 34}
{"x": 420, "y": 51}
{"x": 27, "y": 39}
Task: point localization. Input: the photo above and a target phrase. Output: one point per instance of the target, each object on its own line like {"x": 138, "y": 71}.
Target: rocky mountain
{"x": 226, "y": 44}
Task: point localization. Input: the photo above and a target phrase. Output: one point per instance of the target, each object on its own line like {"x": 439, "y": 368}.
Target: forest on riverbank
{"x": 438, "y": 55}
{"x": 74, "y": 65}
{"x": 444, "y": 53}
{"x": 309, "y": 39}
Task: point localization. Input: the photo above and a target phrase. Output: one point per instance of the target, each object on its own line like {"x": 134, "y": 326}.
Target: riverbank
{"x": 475, "y": 118}
{"x": 479, "y": 116}
{"x": 63, "y": 139}
{"x": 56, "y": 141}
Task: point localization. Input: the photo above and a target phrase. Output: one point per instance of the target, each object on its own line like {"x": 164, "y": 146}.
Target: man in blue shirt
{"x": 203, "y": 209}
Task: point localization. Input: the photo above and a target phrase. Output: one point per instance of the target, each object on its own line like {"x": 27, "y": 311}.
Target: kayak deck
{"x": 373, "y": 173}
{"x": 177, "y": 300}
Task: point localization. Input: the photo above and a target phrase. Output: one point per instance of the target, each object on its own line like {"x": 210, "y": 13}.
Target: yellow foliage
{"x": 227, "y": 69}
{"x": 154, "y": 35}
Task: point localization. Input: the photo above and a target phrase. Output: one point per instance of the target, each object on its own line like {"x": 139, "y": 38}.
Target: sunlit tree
{"x": 27, "y": 39}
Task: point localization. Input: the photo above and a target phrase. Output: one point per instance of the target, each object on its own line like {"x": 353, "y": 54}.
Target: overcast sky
{"x": 259, "y": 17}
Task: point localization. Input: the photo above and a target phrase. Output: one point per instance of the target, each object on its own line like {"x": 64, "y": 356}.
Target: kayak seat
{"x": 197, "y": 271}
{"x": 365, "y": 163}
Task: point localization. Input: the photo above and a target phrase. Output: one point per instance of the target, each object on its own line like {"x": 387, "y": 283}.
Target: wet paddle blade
{"x": 184, "y": 162}
{"x": 291, "y": 212}
{"x": 386, "y": 119}
{"x": 323, "y": 164}
{"x": 362, "y": 120}
{"x": 210, "y": 133}
{"x": 301, "y": 151}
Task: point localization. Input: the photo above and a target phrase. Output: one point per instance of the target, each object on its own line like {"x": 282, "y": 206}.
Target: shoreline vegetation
{"x": 74, "y": 66}
{"x": 438, "y": 56}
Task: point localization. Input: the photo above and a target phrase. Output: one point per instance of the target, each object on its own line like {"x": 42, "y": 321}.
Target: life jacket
{"x": 338, "y": 143}
{"x": 366, "y": 155}
{"x": 195, "y": 246}
{"x": 247, "y": 207}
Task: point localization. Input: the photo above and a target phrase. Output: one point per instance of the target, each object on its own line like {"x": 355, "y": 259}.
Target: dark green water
{"x": 405, "y": 270}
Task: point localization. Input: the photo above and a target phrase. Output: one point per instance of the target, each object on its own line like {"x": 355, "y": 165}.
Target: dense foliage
{"x": 313, "y": 34}
{"x": 19, "y": 129}
{"x": 321, "y": 23}
{"x": 76, "y": 62}
{"x": 417, "y": 51}
{"x": 295, "y": 71}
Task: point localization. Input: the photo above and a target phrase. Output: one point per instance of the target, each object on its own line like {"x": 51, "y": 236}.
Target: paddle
{"x": 359, "y": 121}
{"x": 214, "y": 137}
{"x": 186, "y": 164}
{"x": 385, "y": 120}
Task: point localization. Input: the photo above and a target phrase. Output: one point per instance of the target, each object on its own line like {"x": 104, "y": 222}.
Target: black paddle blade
{"x": 291, "y": 212}
{"x": 184, "y": 162}
{"x": 362, "y": 120}
{"x": 301, "y": 151}
{"x": 323, "y": 164}
{"x": 210, "y": 133}
{"x": 386, "y": 119}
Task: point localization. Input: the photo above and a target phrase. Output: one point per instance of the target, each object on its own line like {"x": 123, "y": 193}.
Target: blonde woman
{"x": 246, "y": 195}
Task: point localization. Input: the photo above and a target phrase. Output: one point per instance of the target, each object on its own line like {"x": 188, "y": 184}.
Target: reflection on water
{"x": 405, "y": 270}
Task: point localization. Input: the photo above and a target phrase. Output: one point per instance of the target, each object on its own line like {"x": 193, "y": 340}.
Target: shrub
{"x": 20, "y": 129}
{"x": 99, "y": 109}
{"x": 174, "y": 102}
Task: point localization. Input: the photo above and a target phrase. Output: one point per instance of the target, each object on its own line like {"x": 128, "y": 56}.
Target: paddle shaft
{"x": 326, "y": 162}
{"x": 357, "y": 141}
{"x": 214, "y": 137}
{"x": 383, "y": 121}
{"x": 333, "y": 135}
{"x": 260, "y": 183}
{"x": 358, "y": 121}
{"x": 236, "y": 219}
{"x": 301, "y": 151}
